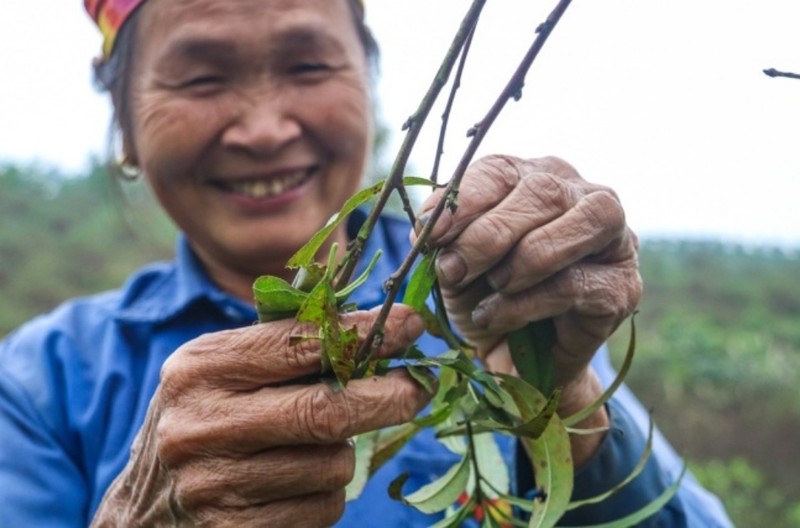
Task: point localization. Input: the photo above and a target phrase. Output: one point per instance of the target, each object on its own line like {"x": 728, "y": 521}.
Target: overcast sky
{"x": 663, "y": 100}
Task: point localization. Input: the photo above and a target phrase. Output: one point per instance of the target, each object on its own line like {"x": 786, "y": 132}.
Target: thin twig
{"x": 449, "y": 107}
{"x": 772, "y": 72}
{"x": 413, "y": 125}
{"x": 512, "y": 90}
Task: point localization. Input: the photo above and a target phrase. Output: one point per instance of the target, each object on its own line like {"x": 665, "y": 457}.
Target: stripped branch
{"x": 512, "y": 90}
{"x": 772, "y": 72}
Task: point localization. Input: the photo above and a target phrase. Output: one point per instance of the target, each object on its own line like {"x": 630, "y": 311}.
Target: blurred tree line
{"x": 718, "y": 351}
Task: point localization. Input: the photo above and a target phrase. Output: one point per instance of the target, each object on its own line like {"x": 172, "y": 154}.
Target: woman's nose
{"x": 263, "y": 122}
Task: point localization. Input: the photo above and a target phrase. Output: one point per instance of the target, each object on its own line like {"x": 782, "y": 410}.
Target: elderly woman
{"x": 162, "y": 404}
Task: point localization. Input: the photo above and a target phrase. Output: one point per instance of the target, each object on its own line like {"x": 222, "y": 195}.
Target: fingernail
{"x": 451, "y": 267}
{"x": 498, "y": 278}
{"x": 480, "y": 316}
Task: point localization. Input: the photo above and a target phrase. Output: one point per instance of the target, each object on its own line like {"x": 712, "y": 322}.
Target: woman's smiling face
{"x": 252, "y": 122}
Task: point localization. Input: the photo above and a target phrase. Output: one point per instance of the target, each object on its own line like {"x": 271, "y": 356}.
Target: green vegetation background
{"x": 718, "y": 351}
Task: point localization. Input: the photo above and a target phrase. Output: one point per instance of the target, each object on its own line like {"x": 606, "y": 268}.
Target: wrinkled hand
{"x": 234, "y": 438}
{"x": 531, "y": 239}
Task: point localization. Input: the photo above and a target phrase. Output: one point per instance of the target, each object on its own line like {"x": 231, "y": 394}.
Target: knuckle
{"x": 604, "y": 211}
{"x": 503, "y": 171}
{"x": 341, "y": 467}
{"x": 540, "y": 254}
{"x": 547, "y": 190}
{"x": 557, "y": 166}
{"x": 406, "y": 398}
{"x": 193, "y": 487}
{"x": 297, "y": 356}
{"x": 496, "y": 234}
{"x": 172, "y": 443}
{"x": 609, "y": 294}
{"x": 322, "y": 415}
{"x": 331, "y": 507}
{"x": 192, "y": 362}
{"x": 175, "y": 374}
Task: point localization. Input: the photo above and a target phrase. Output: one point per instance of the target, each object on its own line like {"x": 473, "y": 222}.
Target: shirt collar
{"x": 163, "y": 291}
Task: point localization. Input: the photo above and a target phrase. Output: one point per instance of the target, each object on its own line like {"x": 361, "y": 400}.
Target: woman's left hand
{"x": 531, "y": 239}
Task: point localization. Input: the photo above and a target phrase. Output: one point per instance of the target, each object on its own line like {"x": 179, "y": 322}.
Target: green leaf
{"x": 364, "y": 450}
{"x": 344, "y": 293}
{"x": 409, "y": 181}
{"x": 424, "y": 377}
{"x": 533, "y": 425}
{"x": 396, "y": 486}
{"x": 532, "y": 353}
{"x": 389, "y": 441}
{"x": 276, "y": 299}
{"x": 421, "y": 282}
{"x": 305, "y": 256}
{"x": 308, "y": 276}
{"x": 457, "y": 517}
{"x": 633, "y": 474}
{"x": 623, "y": 371}
{"x": 551, "y": 455}
{"x": 435, "y": 417}
{"x": 443, "y": 492}
{"x": 492, "y": 466}
{"x": 339, "y": 345}
{"x": 638, "y": 516}
{"x": 316, "y": 306}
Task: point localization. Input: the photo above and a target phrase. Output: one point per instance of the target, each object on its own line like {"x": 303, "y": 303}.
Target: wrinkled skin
{"x": 531, "y": 239}
{"x": 236, "y": 434}
{"x": 233, "y": 438}
{"x": 230, "y": 439}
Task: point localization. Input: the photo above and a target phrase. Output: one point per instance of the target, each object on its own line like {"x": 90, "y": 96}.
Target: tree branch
{"x": 512, "y": 90}
{"x": 413, "y": 125}
{"x": 772, "y": 72}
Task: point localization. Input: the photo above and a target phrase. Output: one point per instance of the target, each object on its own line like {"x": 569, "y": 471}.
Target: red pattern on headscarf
{"x": 109, "y": 15}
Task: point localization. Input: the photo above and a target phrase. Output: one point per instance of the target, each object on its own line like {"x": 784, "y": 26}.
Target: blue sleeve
{"x": 619, "y": 453}
{"x": 615, "y": 460}
{"x": 692, "y": 506}
{"x": 39, "y": 483}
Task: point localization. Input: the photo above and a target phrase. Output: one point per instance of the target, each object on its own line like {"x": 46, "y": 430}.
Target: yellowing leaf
{"x": 443, "y": 492}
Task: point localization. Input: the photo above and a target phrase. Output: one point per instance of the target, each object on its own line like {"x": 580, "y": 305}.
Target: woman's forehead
{"x": 181, "y": 27}
{"x": 110, "y": 15}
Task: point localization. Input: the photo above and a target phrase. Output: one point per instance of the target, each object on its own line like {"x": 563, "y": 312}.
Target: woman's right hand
{"x": 233, "y": 438}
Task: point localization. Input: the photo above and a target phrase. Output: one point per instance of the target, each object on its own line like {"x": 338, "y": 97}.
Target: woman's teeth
{"x": 267, "y": 188}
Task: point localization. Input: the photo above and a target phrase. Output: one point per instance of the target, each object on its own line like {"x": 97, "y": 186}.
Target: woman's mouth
{"x": 260, "y": 189}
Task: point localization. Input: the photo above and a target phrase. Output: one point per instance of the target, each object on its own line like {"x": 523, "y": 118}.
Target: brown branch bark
{"x": 413, "y": 126}
{"x": 512, "y": 90}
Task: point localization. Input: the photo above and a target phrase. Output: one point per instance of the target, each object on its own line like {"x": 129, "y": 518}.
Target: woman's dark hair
{"x": 113, "y": 74}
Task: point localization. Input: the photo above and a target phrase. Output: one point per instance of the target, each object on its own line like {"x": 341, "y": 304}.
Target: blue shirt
{"x": 75, "y": 385}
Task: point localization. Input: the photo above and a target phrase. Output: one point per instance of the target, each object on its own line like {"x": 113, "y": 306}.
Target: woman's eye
{"x": 310, "y": 67}
{"x": 202, "y": 80}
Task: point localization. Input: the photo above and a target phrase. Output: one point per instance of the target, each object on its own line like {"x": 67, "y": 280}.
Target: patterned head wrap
{"x": 109, "y": 15}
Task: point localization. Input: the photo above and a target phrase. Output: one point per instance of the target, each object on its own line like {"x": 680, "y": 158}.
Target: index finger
{"x": 265, "y": 354}
{"x": 485, "y": 184}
